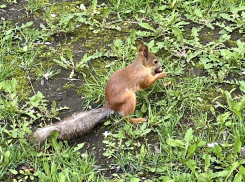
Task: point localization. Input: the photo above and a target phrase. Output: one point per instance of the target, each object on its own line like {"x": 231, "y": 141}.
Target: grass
{"x": 195, "y": 129}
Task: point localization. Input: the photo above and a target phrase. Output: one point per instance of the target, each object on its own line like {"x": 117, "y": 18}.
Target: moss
{"x": 23, "y": 87}
{"x": 37, "y": 14}
{"x": 51, "y": 39}
{"x": 69, "y": 85}
{"x": 92, "y": 42}
{"x": 207, "y": 36}
{"x": 232, "y": 43}
{"x": 43, "y": 2}
{"x": 99, "y": 66}
{"x": 199, "y": 66}
{"x": 70, "y": 7}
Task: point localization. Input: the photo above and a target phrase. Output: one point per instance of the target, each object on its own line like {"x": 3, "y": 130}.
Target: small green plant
{"x": 61, "y": 171}
{"x": 32, "y": 6}
{"x": 64, "y": 22}
{"x": 127, "y": 7}
{"x": 125, "y": 50}
{"x": 10, "y": 1}
{"x": 78, "y": 66}
{"x": 10, "y": 103}
{"x": 48, "y": 73}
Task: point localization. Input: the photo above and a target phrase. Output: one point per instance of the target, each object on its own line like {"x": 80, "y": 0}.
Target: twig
{"x": 31, "y": 83}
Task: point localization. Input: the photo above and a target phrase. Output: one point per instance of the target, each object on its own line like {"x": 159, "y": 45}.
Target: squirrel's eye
{"x": 155, "y": 61}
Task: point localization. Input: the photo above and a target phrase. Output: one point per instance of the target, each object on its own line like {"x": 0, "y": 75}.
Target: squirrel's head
{"x": 148, "y": 59}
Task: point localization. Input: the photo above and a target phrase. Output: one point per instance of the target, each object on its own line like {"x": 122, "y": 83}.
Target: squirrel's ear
{"x": 145, "y": 52}
{"x": 143, "y": 48}
{"x": 141, "y": 44}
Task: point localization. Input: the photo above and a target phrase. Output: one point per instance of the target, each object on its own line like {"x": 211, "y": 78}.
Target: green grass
{"x": 195, "y": 127}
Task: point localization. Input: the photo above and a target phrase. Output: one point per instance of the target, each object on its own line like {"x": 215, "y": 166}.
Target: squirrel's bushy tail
{"x": 78, "y": 124}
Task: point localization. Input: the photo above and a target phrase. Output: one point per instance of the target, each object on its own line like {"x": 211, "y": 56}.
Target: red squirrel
{"x": 119, "y": 97}
{"x": 122, "y": 85}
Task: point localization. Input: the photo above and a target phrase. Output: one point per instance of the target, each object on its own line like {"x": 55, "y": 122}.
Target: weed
{"x": 10, "y": 1}
{"x": 32, "y": 6}
{"x": 78, "y": 66}
{"x": 64, "y": 22}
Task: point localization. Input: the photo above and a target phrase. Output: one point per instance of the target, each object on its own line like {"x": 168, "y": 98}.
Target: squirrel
{"x": 120, "y": 97}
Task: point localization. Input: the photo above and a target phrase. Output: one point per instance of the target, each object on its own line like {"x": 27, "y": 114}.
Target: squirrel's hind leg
{"x": 137, "y": 120}
{"x": 128, "y": 108}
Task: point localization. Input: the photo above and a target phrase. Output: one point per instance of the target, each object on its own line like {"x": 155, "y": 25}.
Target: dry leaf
{"x": 242, "y": 153}
{"x": 167, "y": 84}
{"x": 156, "y": 149}
{"x": 212, "y": 144}
{"x": 106, "y": 134}
{"x": 200, "y": 99}
{"x": 98, "y": 99}
{"x": 225, "y": 136}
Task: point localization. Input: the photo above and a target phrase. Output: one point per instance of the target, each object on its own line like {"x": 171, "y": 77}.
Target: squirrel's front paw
{"x": 161, "y": 75}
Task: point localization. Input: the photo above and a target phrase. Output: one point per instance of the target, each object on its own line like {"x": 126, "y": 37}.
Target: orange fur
{"x": 122, "y": 85}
